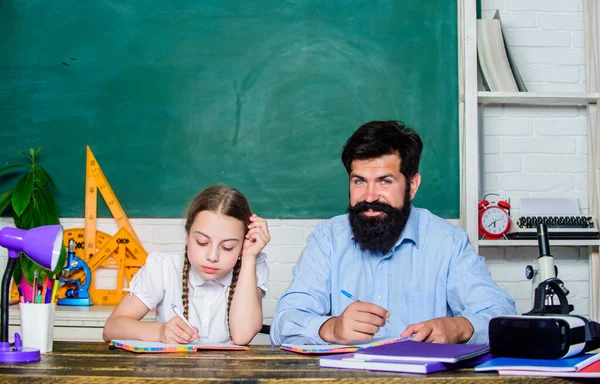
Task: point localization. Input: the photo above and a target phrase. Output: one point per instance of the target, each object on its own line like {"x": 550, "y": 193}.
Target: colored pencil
{"x": 44, "y": 288}
{"x": 54, "y": 289}
{"x": 39, "y": 293}
{"x": 34, "y": 287}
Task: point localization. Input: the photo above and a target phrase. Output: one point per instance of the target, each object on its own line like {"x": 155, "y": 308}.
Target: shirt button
{"x": 379, "y": 297}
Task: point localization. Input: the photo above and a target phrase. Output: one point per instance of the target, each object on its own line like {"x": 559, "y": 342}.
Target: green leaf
{"x": 47, "y": 177}
{"x": 36, "y": 216}
{"x": 22, "y": 194}
{"x": 32, "y": 153}
{"x": 18, "y": 272}
{"x": 28, "y": 268}
{"x": 25, "y": 221}
{"x": 40, "y": 178}
{"x": 38, "y": 151}
{"x": 45, "y": 216}
{"x": 48, "y": 204}
{"x": 13, "y": 166}
{"x": 42, "y": 273}
{"x": 24, "y": 154}
{"x": 5, "y": 200}
{"x": 61, "y": 261}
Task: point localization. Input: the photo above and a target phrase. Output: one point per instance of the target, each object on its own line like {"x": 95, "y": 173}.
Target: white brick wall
{"x": 156, "y": 235}
{"x": 531, "y": 151}
{"x": 527, "y": 152}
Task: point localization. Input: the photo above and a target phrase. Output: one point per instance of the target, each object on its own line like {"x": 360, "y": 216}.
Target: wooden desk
{"x": 77, "y": 362}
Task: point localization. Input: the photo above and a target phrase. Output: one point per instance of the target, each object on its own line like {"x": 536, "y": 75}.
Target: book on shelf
{"x": 158, "y": 347}
{"x": 420, "y": 351}
{"x": 511, "y": 60}
{"x": 493, "y": 61}
{"x": 569, "y": 364}
{"x": 315, "y": 349}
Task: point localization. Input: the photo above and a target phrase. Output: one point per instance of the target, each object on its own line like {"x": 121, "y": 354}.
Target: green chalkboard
{"x": 173, "y": 96}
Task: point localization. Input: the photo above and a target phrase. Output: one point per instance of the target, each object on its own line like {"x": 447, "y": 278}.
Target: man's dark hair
{"x": 379, "y": 138}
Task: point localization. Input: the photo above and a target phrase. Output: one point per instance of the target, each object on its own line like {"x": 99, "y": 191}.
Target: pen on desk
{"x": 351, "y": 297}
{"x": 176, "y": 310}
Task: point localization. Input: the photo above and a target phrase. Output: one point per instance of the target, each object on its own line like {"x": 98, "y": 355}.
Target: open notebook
{"x": 338, "y": 348}
{"x": 157, "y": 347}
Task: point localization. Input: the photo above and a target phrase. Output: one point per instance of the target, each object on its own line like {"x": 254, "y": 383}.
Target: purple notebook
{"x": 349, "y": 361}
{"x": 419, "y": 351}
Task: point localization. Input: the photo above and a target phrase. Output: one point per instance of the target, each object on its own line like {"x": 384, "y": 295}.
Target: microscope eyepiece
{"x": 543, "y": 241}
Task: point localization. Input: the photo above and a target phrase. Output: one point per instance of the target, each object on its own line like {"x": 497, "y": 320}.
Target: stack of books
{"x": 582, "y": 366}
{"x": 410, "y": 357}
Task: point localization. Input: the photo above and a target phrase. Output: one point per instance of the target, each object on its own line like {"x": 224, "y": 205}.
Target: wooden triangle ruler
{"x": 123, "y": 251}
{"x": 94, "y": 181}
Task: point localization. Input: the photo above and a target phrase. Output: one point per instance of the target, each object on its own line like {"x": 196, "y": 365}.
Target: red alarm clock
{"x": 494, "y": 218}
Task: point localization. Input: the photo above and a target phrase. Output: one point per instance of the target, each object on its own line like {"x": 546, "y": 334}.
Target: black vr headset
{"x": 547, "y": 331}
{"x": 542, "y": 334}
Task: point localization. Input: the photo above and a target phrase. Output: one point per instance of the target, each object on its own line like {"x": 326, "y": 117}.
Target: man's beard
{"x": 378, "y": 233}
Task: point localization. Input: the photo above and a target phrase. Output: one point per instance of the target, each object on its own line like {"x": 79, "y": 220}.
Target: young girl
{"x": 217, "y": 284}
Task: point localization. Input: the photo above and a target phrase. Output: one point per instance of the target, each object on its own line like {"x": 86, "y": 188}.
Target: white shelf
{"x": 532, "y": 243}
{"x": 537, "y": 98}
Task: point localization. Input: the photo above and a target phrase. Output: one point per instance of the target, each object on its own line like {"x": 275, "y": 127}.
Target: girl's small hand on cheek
{"x": 257, "y": 238}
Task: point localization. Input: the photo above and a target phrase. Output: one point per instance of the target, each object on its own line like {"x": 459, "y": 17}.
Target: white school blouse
{"x": 158, "y": 285}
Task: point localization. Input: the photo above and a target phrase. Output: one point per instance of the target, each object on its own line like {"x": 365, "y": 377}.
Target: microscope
{"x": 550, "y": 285}
{"x": 80, "y": 295}
{"x": 548, "y": 331}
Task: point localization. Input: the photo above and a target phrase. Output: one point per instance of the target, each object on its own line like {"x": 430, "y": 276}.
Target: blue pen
{"x": 351, "y": 297}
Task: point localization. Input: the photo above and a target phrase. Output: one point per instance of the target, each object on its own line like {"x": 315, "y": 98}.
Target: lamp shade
{"x": 41, "y": 244}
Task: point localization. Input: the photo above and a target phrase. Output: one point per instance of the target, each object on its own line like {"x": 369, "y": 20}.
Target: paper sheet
{"x": 549, "y": 206}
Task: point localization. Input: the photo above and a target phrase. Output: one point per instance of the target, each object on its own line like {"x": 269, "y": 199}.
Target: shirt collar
{"x": 196, "y": 280}
{"x": 411, "y": 230}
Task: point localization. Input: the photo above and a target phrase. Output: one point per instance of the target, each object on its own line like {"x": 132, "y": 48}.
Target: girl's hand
{"x": 177, "y": 331}
{"x": 257, "y": 237}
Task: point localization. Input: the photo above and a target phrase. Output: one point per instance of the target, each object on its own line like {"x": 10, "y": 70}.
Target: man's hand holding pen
{"x": 360, "y": 321}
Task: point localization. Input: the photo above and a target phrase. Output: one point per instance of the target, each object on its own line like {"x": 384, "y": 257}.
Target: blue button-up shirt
{"x": 432, "y": 271}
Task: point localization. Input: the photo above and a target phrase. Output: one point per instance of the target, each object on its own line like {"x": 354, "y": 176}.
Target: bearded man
{"x": 414, "y": 274}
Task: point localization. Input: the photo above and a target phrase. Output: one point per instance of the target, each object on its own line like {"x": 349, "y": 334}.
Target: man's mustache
{"x": 365, "y": 206}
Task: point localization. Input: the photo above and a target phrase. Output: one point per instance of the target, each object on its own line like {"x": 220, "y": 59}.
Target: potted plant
{"x": 33, "y": 204}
